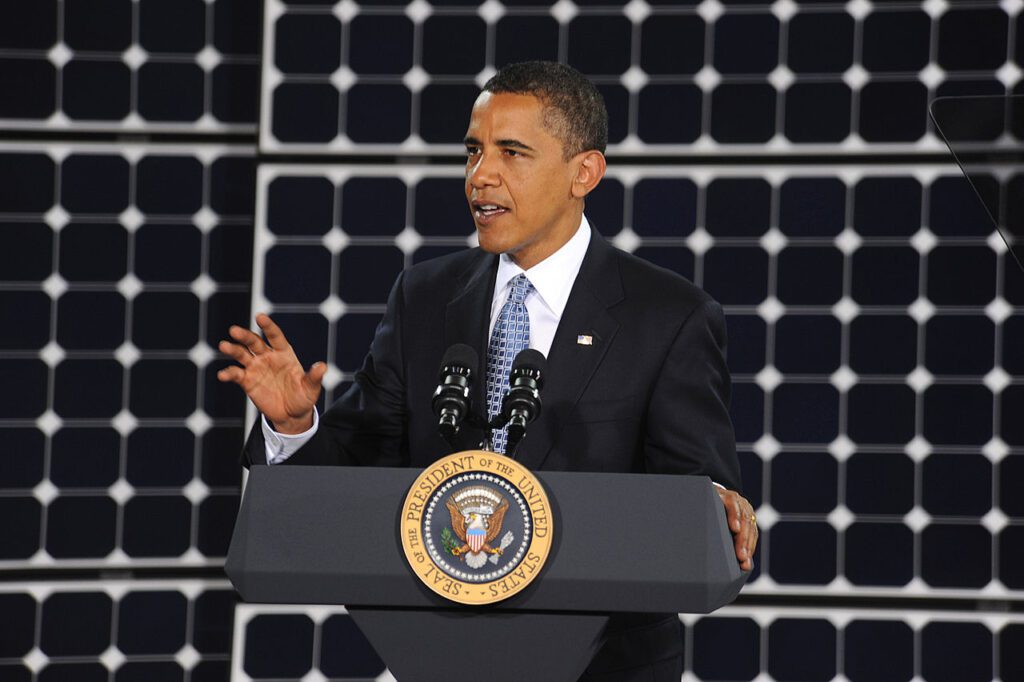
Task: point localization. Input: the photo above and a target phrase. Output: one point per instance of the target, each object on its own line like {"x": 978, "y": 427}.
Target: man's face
{"x": 518, "y": 184}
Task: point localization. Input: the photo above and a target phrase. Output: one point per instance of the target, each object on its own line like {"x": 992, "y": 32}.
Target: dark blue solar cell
{"x": 1011, "y": 639}
{"x": 223, "y": 310}
{"x": 23, "y": 456}
{"x": 157, "y": 526}
{"x": 172, "y": 25}
{"x": 94, "y": 90}
{"x": 896, "y": 41}
{"x": 378, "y": 113}
{"x": 746, "y": 410}
{"x": 33, "y": 259}
{"x": 305, "y": 112}
{"x": 367, "y": 32}
{"x": 237, "y": 26}
{"x": 956, "y": 209}
{"x": 807, "y": 344}
{"x": 160, "y": 457}
{"x": 218, "y": 461}
{"x": 217, "y": 515}
{"x": 981, "y": 130}
{"x": 454, "y": 44}
{"x": 885, "y": 275}
{"x": 802, "y": 649}
{"x": 345, "y": 652}
{"x": 747, "y": 339}
{"x": 811, "y": 207}
{"x": 221, "y": 400}
{"x": 278, "y": 645}
{"x": 307, "y": 334}
{"x": 30, "y": 25}
{"x": 28, "y": 183}
{"x": 1011, "y": 557}
{"x": 805, "y": 413}
{"x": 616, "y": 100}
{"x": 19, "y": 534}
{"x": 956, "y": 652}
{"x": 165, "y": 320}
{"x": 752, "y": 472}
{"x": 373, "y": 206}
{"x": 212, "y": 621}
{"x": 605, "y": 207}
{"x": 879, "y": 554}
{"x": 1011, "y": 470}
{"x": 746, "y": 43}
{"x": 1013, "y": 277}
{"x": 972, "y": 39}
{"x": 85, "y": 457}
{"x": 817, "y": 112}
{"x": 957, "y": 415}
{"x": 879, "y": 483}
{"x": 168, "y": 253}
{"x": 307, "y": 43}
{"x": 672, "y": 44}
{"x": 18, "y": 626}
{"x": 235, "y": 93}
{"x": 600, "y": 44}
{"x": 366, "y": 273}
{"x": 810, "y": 275}
{"x": 738, "y": 207}
{"x": 736, "y": 275}
{"x": 804, "y": 482}
{"x": 171, "y": 92}
{"x": 883, "y": 344}
{"x": 230, "y": 253}
{"x": 444, "y": 111}
{"x": 151, "y": 622}
{"x": 233, "y": 185}
{"x": 959, "y": 344}
{"x": 102, "y": 25}
{"x": 678, "y": 259}
{"x": 961, "y": 275}
{"x": 669, "y": 113}
{"x": 820, "y": 42}
{"x": 297, "y": 274}
{"x": 664, "y": 207}
{"x": 802, "y": 552}
{"x": 36, "y": 82}
{"x": 354, "y": 333}
{"x": 90, "y": 320}
{"x": 80, "y": 672}
{"x": 163, "y": 388}
{"x": 743, "y": 113}
{"x": 881, "y": 413}
{"x": 148, "y": 671}
{"x": 887, "y": 207}
{"x": 81, "y": 527}
{"x": 25, "y": 317}
{"x": 25, "y": 381}
{"x": 169, "y": 184}
{"x": 956, "y": 556}
{"x": 956, "y": 485}
{"x": 441, "y": 208}
{"x": 300, "y": 205}
{"x": 893, "y": 111}
{"x": 509, "y": 46}
{"x": 93, "y": 252}
{"x": 878, "y": 651}
{"x": 87, "y": 388}
{"x": 94, "y": 184}
{"x": 75, "y": 624}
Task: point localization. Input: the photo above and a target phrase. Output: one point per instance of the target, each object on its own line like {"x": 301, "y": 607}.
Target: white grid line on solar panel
{"x": 114, "y": 587}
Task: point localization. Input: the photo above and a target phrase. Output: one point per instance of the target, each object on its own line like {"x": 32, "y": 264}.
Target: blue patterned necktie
{"x": 511, "y": 334}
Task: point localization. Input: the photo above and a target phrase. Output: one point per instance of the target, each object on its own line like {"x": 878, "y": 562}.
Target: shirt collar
{"x": 553, "y": 277}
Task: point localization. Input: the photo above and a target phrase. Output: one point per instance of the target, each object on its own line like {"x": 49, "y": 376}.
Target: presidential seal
{"x": 476, "y": 527}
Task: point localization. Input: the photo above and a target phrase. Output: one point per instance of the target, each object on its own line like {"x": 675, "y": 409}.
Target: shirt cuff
{"x": 281, "y": 446}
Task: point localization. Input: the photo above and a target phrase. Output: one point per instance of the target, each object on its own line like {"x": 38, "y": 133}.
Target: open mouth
{"x": 485, "y": 211}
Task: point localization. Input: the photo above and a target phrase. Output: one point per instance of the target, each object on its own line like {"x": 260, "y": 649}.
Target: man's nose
{"x": 484, "y": 173}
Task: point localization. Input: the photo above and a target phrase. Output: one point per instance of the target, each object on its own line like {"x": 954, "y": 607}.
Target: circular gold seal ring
{"x": 476, "y": 527}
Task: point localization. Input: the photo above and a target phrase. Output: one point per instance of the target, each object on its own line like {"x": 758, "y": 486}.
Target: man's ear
{"x": 589, "y": 172}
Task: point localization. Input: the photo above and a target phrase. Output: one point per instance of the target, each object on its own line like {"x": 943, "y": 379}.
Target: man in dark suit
{"x": 637, "y": 380}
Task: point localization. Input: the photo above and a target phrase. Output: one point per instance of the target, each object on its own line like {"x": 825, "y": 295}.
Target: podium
{"x": 622, "y": 543}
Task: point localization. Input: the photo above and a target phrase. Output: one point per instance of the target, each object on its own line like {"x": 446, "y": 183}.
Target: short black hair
{"x": 574, "y": 110}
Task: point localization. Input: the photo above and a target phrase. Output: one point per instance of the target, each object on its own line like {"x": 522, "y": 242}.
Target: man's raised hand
{"x": 272, "y": 376}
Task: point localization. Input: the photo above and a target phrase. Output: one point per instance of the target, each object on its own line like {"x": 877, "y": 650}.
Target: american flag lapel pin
{"x": 585, "y": 340}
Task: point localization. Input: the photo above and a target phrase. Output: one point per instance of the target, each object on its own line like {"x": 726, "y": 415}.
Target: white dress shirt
{"x": 552, "y": 281}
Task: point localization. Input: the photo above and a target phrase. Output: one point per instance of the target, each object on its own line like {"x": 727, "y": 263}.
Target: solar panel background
{"x": 778, "y": 154}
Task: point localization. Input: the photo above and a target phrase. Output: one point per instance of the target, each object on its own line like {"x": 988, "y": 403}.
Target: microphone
{"x": 521, "y": 404}
{"x": 451, "y": 399}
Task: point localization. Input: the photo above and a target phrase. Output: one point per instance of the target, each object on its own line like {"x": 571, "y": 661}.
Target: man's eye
{"x": 472, "y": 151}
{"x": 511, "y": 152}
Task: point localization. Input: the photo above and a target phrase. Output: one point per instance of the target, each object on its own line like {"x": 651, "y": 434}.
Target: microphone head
{"x": 531, "y": 360}
{"x": 459, "y": 355}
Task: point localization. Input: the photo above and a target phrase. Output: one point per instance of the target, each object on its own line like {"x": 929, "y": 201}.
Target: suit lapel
{"x": 467, "y": 317}
{"x": 571, "y": 364}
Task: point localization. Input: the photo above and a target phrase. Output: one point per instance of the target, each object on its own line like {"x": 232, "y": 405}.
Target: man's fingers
{"x": 231, "y": 374}
{"x": 273, "y": 333}
{"x": 248, "y": 339}
{"x": 315, "y": 375}
{"x": 236, "y": 352}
